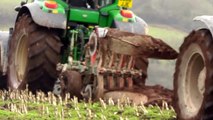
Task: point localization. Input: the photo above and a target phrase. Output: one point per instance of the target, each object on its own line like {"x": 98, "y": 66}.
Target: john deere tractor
{"x": 98, "y": 45}
{"x": 92, "y": 47}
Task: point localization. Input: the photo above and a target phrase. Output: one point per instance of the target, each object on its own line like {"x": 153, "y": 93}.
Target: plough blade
{"x": 137, "y": 45}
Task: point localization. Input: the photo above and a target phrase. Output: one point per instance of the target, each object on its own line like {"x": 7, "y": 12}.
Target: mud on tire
{"x": 33, "y": 54}
{"x": 193, "y": 84}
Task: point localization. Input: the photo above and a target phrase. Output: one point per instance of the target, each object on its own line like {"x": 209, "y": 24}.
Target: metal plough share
{"x": 112, "y": 57}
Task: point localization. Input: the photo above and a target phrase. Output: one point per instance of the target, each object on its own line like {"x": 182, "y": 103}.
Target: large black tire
{"x": 34, "y": 52}
{"x": 193, "y": 78}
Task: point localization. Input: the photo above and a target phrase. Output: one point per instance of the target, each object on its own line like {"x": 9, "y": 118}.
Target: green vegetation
{"x": 22, "y": 105}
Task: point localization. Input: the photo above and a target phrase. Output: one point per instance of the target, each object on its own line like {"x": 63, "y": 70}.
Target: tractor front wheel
{"x": 34, "y": 52}
{"x": 193, "y": 84}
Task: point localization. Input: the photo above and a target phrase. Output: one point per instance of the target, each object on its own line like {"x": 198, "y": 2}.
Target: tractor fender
{"x": 42, "y": 18}
{"x": 142, "y": 24}
{"x": 204, "y": 21}
{"x": 139, "y": 26}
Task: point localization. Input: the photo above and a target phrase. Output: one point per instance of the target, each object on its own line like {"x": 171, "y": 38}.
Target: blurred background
{"x": 170, "y": 20}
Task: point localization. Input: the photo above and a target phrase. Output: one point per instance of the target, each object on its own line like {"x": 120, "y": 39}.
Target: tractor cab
{"x": 96, "y": 12}
{"x": 80, "y": 3}
{"x": 103, "y": 3}
{"x": 90, "y": 12}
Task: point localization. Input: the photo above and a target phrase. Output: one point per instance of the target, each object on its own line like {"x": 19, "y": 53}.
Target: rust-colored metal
{"x": 121, "y": 82}
{"x": 99, "y": 79}
{"x": 136, "y": 45}
{"x": 110, "y": 82}
{"x": 112, "y": 57}
{"x": 122, "y": 60}
{"x": 120, "y": 67}
{"x": 125, "y": 41}
{"x": 130, "y": 64}
{"x": 120, "y": 52}
{"x": 129, "y": 82}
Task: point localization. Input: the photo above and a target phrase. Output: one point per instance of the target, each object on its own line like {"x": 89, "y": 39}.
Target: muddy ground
{"x": 148, "y": 95}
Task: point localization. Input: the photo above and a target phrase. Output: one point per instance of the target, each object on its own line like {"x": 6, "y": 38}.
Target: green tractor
{"x": 58, "y": 41}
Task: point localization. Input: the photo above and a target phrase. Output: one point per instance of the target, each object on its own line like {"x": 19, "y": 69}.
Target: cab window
{"x": 90, "y": 4}
{"x": 102, "y": 3}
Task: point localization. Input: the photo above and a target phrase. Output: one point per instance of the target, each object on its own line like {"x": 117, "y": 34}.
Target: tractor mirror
{"x": 17, "y": 8}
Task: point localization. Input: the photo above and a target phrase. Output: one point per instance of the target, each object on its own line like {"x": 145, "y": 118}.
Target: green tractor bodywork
{"x": 102, "y": 17}
{"x": 78, "y": 22}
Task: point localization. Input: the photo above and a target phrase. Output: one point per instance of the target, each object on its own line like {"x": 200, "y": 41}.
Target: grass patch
{"x": 23, "y": 105}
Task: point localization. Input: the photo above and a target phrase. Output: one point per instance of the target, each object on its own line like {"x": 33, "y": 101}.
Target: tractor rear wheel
{"x": 34, "y": 52}
{"x": 193, "y": 84}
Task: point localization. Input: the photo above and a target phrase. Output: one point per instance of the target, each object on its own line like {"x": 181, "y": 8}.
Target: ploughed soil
{"x": 148, "y": 95}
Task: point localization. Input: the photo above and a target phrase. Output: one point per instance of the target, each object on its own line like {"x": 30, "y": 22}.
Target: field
{"x": 25, "y": 106}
